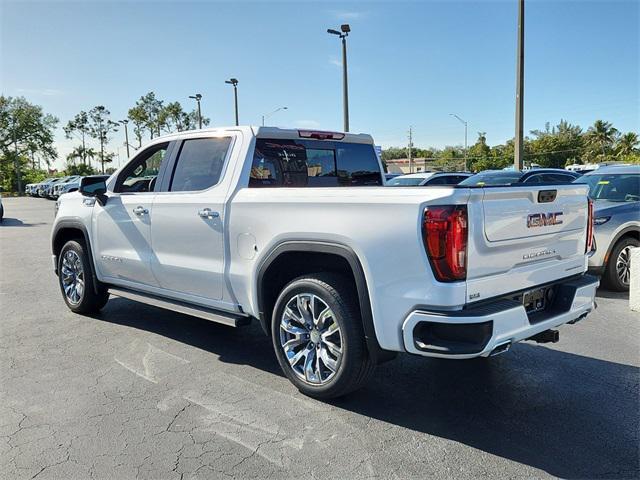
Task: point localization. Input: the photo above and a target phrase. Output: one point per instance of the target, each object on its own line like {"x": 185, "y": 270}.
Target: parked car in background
{"x": 615, "y": 191}
{"x": 511, "y": 177}
{"x": 49, "y": 192}
{"x": 42, "y": 187}
{"x": 428, "y": 179}
{"x": 69, "y": 184}
{"x": 28, "y": 188}
{"x": 389, "y": 176}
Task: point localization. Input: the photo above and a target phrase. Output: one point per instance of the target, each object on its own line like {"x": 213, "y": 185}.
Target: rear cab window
{"x": 313, "y": 163}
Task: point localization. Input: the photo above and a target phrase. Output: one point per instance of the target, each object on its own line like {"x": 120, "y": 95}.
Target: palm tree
{"x": 627, "y": 144}
{"x": 602, "y": 134}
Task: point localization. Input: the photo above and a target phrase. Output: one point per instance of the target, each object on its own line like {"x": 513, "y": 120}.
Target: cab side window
{"x": 140, "y": 175}
{"x": 199, "y": 164}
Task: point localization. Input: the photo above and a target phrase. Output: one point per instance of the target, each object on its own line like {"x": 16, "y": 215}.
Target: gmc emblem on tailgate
{"x": 544, "y": 219}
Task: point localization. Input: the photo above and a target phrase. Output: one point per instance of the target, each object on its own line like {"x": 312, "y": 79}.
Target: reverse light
{"x": 320, "y": 135}
{"x": 601, "y": 220}
{"x": 590, "y": 223}
{"x": 445, "y": 233}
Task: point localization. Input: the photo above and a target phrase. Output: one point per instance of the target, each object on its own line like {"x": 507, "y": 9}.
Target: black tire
{"x": 87, "y": 301}
{"x": 354, "y": 366}
{"x": 611, "y": 279}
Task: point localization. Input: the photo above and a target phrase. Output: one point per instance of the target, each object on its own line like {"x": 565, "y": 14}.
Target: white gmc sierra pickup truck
{"x": 296, "y": 230}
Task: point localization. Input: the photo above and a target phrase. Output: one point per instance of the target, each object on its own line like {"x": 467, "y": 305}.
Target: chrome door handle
{"x": 140, "y": 211}
{"x": 208, "y": 213}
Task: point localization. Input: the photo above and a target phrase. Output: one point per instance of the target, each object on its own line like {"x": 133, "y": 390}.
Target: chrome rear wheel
{"x": 310, "y": 338}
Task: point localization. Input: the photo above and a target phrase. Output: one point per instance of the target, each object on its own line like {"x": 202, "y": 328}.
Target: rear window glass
{"x": 405, "y": 181}
{"x": 492, "y": 178}
{"x": 313, "y": 163}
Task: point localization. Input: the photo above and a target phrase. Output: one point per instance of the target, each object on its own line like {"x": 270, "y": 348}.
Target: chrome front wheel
{"x": 310, "y": 338}
{"x": 73, "y": 280}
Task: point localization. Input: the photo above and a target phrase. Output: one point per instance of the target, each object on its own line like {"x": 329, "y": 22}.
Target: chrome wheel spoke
{"x": 333, "y": 348}
{"x": 329, "y": 362}
{"x": 309, "y": 367}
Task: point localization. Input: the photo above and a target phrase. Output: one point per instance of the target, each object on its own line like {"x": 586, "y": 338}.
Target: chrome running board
{"x": 224, "y": 318}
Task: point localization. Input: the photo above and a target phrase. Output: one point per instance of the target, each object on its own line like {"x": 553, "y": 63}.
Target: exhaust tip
{"x": 502, "y": 348}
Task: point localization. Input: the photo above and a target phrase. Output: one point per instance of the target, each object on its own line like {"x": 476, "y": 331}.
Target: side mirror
{"x": 94, "y": 186}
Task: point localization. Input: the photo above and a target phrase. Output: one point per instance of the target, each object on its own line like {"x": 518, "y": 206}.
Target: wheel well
{"x": 628, "y": 234}
{"x": 63, "y": 236}
{"x": 289, "y": 265}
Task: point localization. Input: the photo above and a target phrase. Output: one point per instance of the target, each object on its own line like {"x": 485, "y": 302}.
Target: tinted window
{"x": 140, "y": 174}
{"x": 492, "y": 178}
{"x": 199, "y": 164}
{"x": 615, "y": 188}
{"x": 405, "y": 181}
{"x": 445, "y": 180}
{"x": 313, "y": 163}
{"x": 557, "y": 178}
{"x": 534, "y": 179}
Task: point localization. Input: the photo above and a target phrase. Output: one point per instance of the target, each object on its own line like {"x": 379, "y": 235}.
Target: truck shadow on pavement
{"x": 569, "y": 415}
{"x": 16, "y": 222}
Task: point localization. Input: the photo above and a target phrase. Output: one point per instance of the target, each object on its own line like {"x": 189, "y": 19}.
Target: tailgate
{"x": 520, "y": 237}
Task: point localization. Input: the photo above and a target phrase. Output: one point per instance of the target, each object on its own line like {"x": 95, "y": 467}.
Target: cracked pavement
{"x": 138, "y": 392}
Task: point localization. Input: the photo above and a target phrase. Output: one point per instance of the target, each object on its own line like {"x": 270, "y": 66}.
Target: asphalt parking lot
{"x": 139, "y": 392}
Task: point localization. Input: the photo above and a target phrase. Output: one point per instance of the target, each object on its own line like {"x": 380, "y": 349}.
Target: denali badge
{"x": 542, "y": 253}
{"x": 544, "y": 219}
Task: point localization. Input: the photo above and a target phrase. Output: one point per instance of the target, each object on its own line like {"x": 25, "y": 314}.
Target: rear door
{"x": 187, "y": 232}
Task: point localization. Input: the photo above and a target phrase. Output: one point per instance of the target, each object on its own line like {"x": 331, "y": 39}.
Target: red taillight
{"x": 445, "y": 237}
{"x": 319, "y": 135}
{"x": 589, "y": 245}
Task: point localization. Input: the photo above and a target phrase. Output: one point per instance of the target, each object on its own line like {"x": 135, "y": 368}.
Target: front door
{"x": 122, "y": 226}
{"x": 187, "y": 231}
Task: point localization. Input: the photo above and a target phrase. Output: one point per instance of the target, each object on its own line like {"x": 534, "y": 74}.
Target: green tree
{"x": 79, "y": 126}
{"x": 554, "y": 147}
{"x": 81, "y": 169}
{"x": 100, "y": 127}
{"x": 139, "y": 119}
{"x": 627, "y": 144}
{"x": 25, "y": 132}
{"x": 600, "y": 137}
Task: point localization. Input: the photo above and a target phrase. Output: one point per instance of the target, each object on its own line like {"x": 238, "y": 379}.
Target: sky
{"x": 410, "y": 63}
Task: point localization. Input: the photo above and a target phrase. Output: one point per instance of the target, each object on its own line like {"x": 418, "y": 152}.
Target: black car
{"x": 514, "y": 177}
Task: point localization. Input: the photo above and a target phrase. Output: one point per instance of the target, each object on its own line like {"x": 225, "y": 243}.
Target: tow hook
{"x": 548, "y": 336}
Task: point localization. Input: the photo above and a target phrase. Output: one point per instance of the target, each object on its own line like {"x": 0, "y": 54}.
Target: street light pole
{"x": 234, "y": 82}
{"x": 269, "y": 114}
{"x": 126, "y": 136}
{"x": 197, "y": 97}
{"x": 519, "y": 140}
{"x": 466, "y": 150}
{"x": 343, "y": 34}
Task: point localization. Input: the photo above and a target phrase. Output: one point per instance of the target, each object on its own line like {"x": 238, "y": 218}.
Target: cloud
{"x": 44, "y": 92}
{"x": 347, "y": 15}
{"x": 307, "y": 123}
{"x": 335, "y": 61}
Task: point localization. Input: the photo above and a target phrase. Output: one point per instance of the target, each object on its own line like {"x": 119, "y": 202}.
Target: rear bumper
{"x": 478, "y": 331}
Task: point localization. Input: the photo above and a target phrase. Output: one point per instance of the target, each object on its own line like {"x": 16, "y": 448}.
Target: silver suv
{"x": 615, "y": 191}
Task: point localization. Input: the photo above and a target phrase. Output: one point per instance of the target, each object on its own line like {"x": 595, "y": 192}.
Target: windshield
{"x": 405, "y": 181}
{"x": 492, "y": 178}
{"x": 614, "y": 188}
